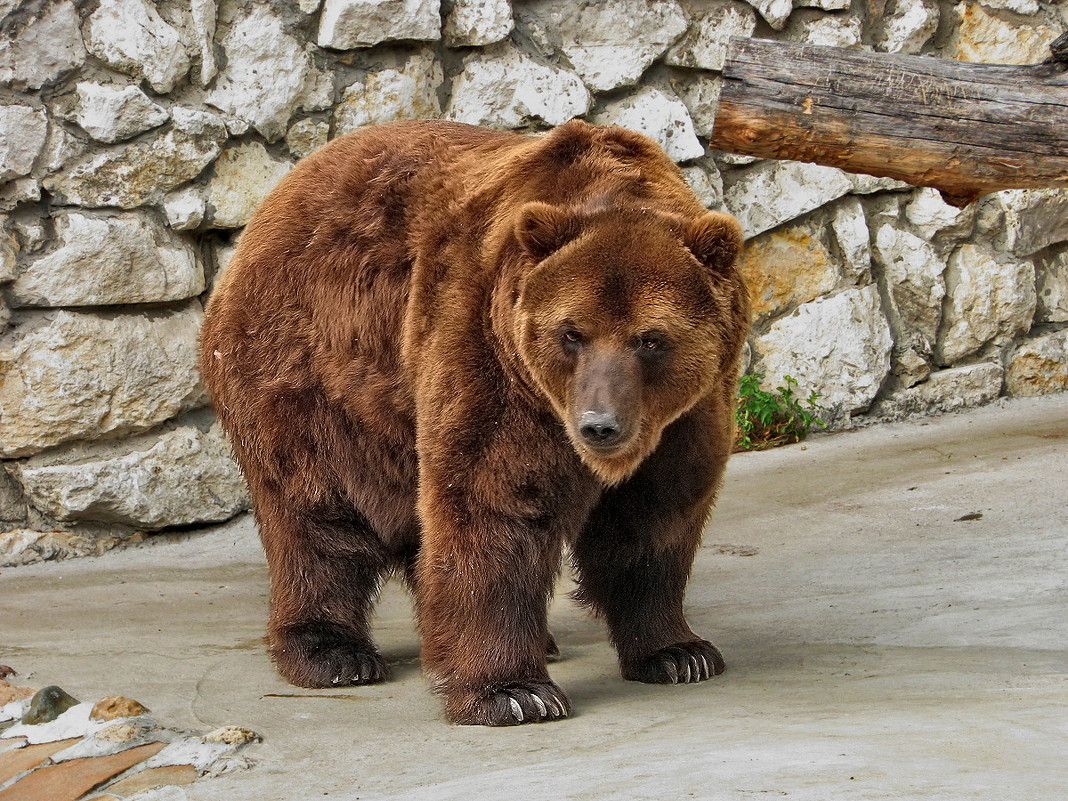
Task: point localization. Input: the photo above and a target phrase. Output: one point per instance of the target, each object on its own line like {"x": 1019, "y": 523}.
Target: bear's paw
{"x": 515, "y": 703}
{"x": 318, "y": 656}
{"x": 685, "y": 663}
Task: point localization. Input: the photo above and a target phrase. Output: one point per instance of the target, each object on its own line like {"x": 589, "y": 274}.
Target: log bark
{"x": 965, "y": 129}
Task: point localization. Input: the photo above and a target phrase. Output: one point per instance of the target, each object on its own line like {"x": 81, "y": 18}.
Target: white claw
{"x": 685, "y": 679}
{"x": 541, "y": 705}
{"x": 517, "y": 710}
{"x": 672, "y": 670}
{"x": 707, "y": 670}
{"x": 557, "y": 705}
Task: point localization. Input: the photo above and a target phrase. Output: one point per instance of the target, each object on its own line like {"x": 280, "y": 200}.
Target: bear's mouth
{"x": 612, "y": 464}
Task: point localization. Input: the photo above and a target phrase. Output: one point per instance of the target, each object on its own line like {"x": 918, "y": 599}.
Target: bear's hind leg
{"x": 326, "y": 567}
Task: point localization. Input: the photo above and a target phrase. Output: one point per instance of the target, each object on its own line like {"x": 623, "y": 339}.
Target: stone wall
{"x": 136, "y": 138}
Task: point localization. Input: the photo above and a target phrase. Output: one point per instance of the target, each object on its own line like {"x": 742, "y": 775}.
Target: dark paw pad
{"x": 512, "y": 704}
{"x": 685, "y": 663}
{"x": 319, "y": 655}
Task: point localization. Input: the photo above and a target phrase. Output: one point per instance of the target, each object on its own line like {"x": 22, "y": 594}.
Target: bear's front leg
{"x": 635, "y": 553}
{"x": 492, "y": 537}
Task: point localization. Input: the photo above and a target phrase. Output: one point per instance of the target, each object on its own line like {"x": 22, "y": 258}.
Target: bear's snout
{"x": 600, "y": 429}
{"x": 605, "y": 399}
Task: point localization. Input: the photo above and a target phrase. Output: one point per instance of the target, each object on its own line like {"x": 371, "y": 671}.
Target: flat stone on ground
{"x": 151, "y": 778}
{"x": 16, "y": 761}
{"x": 68, "y": 781}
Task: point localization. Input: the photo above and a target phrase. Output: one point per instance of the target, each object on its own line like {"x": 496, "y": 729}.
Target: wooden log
{"x": 965, "y": 129}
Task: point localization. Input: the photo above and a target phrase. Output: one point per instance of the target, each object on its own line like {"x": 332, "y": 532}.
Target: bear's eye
{"x": 571, "y": 337}
{"x": 652, "y": 343}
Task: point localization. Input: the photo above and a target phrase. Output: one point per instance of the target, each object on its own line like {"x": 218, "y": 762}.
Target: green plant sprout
{"x": 766, "y": 419}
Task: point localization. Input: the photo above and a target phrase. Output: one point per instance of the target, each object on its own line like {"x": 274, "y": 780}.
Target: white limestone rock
{"x": 30, "y": 233}
{"x": 23, "y": 546}
{"x": 204, "y": 13}
{"x": 244, "y": 176}
{"x": 906, "y": 26}
{"x": 985, "y": 38}
{"x": 185, "y": 209}
{"x": 774, "y": 12}
{"x": 12, "y": 505}
{"x": 706, "y": 183}
{"x": 991, "y": 299}
{"x": 269, "y": 75}
{"x": 712, "y": 24}
{"x": 826, "y": 30}
{"x": 1039, "y": 366}
{"x": 61, "y": 148}
{"x": 9, "y": 252}
{"x": 21, "y": 190}
{"x": 46, "y": 49}
{"x": 177, "y": 478}
{"x": 838, "y": 346}
{"x": 913, "y": 278}
{"x": 1025, "y": 7}
{"x": 870, "y": 184}
{"x": 130, "y": 258}
{"x": 141, "y": 173}
{"x": 502, "y": 87}
{"x": 474, "y": 23}
{"x": 1051, "y": 284}
{"x": 770, "y": 193}
{"x": 908, "y": 366}
{"x": 1033, "y": 219}
{"x": 113, "y": 113}
{"x": 700, "y": 93}
{"x": 948, "y": 390}
{"x": 221, "y": 254}
{"x": 659, "y": 116}
{"x": 348, "y": 24}
{"x": 306, "y": 136}
{"x": 23, "y": 131}
{"x": 406, "y": 93}
{"x": 131, "y": 37}
{"x": 933, "y": 217}
{"x": 825, "y": 5}
{"x": 70, "y": 376}
{"x": 610, "y": 43}
{"x": 850, "y": 228}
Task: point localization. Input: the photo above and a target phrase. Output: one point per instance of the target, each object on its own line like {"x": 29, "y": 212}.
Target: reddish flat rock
{"x": 68, "y": 781}
{"x": 153, "y": 778}
{"x": 12, "y": 763}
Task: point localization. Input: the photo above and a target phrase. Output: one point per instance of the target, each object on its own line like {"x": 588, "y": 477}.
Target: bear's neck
{"x": 500, "y": 322}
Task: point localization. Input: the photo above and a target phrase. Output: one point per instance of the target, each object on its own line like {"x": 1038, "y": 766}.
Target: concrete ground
{"x": 878, "y": 645}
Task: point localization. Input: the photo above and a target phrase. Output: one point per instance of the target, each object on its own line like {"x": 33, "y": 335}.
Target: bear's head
{"x": 626, "y": 318}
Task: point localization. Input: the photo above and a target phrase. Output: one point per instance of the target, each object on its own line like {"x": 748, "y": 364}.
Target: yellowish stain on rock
{"x": 984, "y": 38}
{"x": 785, "y": 268}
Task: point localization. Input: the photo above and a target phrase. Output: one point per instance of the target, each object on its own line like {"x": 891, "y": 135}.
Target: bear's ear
{"x": 715, "y": 239}
{"x": 543, "y": 229}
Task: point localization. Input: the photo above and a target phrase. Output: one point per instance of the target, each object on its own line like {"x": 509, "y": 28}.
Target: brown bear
{"x": 454, "y": 352}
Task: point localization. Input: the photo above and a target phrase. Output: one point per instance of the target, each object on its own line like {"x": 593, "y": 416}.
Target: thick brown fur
{"x": 452, "y": 352}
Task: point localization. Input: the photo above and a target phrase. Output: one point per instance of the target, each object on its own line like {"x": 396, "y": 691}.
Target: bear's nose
{"x": 600, "y": 429}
